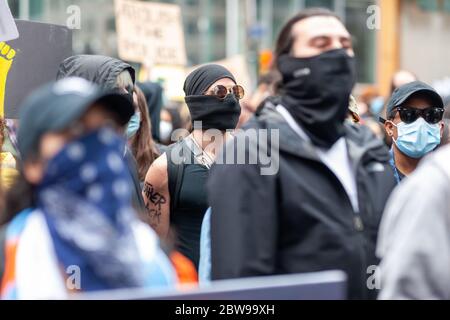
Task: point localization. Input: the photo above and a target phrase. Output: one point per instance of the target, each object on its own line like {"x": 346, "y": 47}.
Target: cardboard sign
{"x": 172, "y": 79}
{"x": 150, "y": 33}
{"x": 31, "y": 61}
{"x": 8, "y": 28}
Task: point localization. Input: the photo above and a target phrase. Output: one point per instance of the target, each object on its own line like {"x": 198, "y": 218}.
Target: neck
{"x": 404, "y": 164}
{"x": 211, "y": 143}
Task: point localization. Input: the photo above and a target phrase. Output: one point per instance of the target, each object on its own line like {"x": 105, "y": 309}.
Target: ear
{"x": 442, "y": 129}
{"x": 389, "y": 128}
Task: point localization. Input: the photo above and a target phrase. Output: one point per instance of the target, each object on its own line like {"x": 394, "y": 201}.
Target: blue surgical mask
{"x": 418, "y": 138}
{"x": 134, "y": 125}
{"x": 376, "y": 106}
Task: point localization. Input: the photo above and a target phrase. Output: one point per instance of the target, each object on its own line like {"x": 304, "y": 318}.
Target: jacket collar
{"x": 359, "y": 141}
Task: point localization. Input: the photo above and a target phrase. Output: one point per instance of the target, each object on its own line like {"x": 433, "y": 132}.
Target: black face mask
{"x": 214, "y": 112}
{"x": 316, "y": 91}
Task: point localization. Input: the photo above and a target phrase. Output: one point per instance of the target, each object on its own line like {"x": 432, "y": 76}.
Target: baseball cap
{"x": 403, "y": 93}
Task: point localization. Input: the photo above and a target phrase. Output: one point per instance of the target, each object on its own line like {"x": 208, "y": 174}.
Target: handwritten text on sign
{"x": 150, "y": 33}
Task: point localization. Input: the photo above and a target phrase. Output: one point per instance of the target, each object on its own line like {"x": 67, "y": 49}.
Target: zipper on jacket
{"x": 358, "y": 223}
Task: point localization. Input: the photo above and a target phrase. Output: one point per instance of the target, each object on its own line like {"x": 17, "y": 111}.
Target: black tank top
{"x": 189, "y": 202}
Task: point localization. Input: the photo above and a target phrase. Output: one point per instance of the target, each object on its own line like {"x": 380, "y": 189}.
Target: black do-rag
{"x": 210, "y": 112}
{"x": 199, "y": 80}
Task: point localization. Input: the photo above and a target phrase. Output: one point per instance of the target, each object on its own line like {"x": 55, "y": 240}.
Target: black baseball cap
{"x": 403, "y": 93}
{"x": 57, "y": 105}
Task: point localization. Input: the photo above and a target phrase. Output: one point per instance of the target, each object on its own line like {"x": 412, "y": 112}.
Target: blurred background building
{"x": 413, "y": 34}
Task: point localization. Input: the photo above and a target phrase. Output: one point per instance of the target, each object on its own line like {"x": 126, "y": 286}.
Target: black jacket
{"x": 301, "y": 219}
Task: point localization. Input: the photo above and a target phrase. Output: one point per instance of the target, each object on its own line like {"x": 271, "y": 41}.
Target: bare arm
{"x": 157, "y": 198}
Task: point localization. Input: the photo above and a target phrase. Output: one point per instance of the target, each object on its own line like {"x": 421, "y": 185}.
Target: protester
{"x": 371, "y": 106}
{"x": 265, "y": 89}
{"x": 8, "y": 163}
{"x": 140, "y": 136}
{"x": 154, "y": 95}
{"x": 353, "y": 111}
{"x": 171, "y": 121}
{"x": 175, "y": 191}
{"x": 115, "y": 75}
{"x": 321, "y": 209}
{"x": 414, "y": 121}
{"x": 81, "y": 216}
{"x": 401, "y": 78}
{"x": 414, "y": 241}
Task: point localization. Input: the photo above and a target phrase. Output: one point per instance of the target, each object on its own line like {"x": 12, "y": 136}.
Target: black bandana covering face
{"x": 213, "y": 112}
{"x": 316, "y": 92}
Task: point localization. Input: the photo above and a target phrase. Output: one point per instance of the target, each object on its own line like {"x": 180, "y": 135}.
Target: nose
{"x": 336, "y": 43}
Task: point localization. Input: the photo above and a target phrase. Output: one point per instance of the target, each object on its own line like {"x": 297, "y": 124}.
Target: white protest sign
{"x": 150, "y": 33}
{"x": 8, "y": 28}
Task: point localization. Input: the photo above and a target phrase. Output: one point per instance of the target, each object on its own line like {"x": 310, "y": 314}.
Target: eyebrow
{"x": 327, "y": 36}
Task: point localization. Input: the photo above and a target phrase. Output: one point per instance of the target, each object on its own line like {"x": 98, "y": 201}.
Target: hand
{"x": 7, "y": 55}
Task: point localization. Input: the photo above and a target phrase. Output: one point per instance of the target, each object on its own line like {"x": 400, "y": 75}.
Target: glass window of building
{"x": 206, "y": 23}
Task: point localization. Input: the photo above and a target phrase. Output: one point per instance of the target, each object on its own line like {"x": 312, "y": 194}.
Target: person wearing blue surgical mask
{"x": 139, "y": 135}
{"x": 415, "y": 124}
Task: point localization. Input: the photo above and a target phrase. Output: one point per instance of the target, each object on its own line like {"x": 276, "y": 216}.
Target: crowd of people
{"x": 107, "y": 186}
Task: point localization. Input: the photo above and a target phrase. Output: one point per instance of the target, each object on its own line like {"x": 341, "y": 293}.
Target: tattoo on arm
{"x": 154, "y": 203}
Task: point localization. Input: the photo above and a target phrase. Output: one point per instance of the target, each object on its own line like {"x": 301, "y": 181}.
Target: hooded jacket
{"x": 300, "y": 219}
{"x": 104, "y": 71}
{"x": 100, "y": 70}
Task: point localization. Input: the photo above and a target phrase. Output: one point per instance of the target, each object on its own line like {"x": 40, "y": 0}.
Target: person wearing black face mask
{"x": 175, "y": 185}
{"x": 321, "y": 210}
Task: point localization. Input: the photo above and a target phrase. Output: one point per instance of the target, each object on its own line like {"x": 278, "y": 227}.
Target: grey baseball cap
{"x": 403, "y": 93}
{"x": 57, "y": 105}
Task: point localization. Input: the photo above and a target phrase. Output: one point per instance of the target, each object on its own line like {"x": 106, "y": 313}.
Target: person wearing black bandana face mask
{"x": 321, "y": 210}
{"x": 175, "y": 191}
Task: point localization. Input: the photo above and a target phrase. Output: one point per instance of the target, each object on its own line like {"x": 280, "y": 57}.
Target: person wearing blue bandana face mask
{"x": 414, "y": 121}
{"x": 80, "y": 201}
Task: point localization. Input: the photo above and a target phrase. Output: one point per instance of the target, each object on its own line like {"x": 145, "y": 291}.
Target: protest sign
{"x": 30, "y": 61}
{"x": 8, "y": 28}
{"x": 150, "y": 33}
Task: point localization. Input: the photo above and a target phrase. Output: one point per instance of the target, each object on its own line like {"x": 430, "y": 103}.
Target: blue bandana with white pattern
{"x": 86, "y": 199}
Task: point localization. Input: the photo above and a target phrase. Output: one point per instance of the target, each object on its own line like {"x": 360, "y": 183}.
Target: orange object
{"x": 185, "y": 269}
{"x": 265, "y": 61}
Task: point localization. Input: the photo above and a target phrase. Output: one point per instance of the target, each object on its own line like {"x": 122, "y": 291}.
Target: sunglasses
{"x": 431, "y": 115}
{"x": 221, "y": 92}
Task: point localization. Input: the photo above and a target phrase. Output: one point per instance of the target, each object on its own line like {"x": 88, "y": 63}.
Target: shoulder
{"x": 438, "y": 161}
{"x": 359, "y": 133}
{"x": 158, "y": 170}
